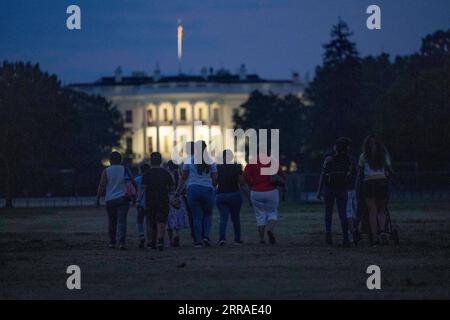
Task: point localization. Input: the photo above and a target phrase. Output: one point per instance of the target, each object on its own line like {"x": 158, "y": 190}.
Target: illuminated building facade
{"x": 160, "y": 111}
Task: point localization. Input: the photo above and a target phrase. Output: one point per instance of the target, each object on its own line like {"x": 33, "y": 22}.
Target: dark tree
{"x": 100, "y": 130}
{"x": 336, "y": 93}
{"x": 436, "y": 45}
{"x": 340, "y": 49}
{"x": 37, "y": 123}
{"x": 414, "y": 113}
{"x": 46, "y": 129}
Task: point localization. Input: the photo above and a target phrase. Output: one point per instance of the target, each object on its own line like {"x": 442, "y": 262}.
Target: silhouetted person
{"x": 114, "y": 181}
{"x": 156, "y": 184}
{"x": 229, "y": 199}
{"x": 375, "y": 168}
{"x": 200, "y": 174}
{"x": 334, "y": 184}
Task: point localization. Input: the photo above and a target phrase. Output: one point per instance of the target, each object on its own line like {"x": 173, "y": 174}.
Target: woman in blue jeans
{"x": 113, "y": 184}
{"x": 229, "y": 199}
{"x": 200, "y": 174}
{"x": 335, "y": 181}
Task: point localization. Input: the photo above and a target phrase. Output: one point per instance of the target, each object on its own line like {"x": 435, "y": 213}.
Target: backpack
{"x": 130, "y": 190}
{"x": 338, "y": 172}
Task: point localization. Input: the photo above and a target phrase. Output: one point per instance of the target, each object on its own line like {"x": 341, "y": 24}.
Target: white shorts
{"x": 351, "y": 204}
{"x": 265, "y": 204}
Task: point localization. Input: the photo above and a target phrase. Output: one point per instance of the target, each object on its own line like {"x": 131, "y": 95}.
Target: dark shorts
{"x": 376, "y": 188}
{"x": 158, "y": 214}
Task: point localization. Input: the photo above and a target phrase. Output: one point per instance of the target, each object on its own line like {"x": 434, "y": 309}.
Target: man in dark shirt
{"x": 157, "y": 183}
{"x": 229, "y": 198}
{"x": 228, "y": 177}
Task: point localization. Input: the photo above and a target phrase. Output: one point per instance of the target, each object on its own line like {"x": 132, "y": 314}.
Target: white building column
{"x": 221, "y": 106}
{"x": 174, "y": 122}
{"x": 193, "y": 119}
{"x": 209, "y": 121}
{"x": 144, "y": 129}
{"x": 157, "y": 126}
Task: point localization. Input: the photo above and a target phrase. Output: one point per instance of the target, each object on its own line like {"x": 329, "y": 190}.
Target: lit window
{"x": 150, "y": 115}
{"x": 150, "y": 144}
{"x": 129, "y": 116}
{"x": 183, "y": 114}
{"x": 200, "y": 114}
{"x": 165, "y": 115}
{"x": 215, "y": 115}
{"x": 129, "y": 145}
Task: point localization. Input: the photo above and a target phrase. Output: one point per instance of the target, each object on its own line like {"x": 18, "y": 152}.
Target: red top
{"x": 256, "y": 181}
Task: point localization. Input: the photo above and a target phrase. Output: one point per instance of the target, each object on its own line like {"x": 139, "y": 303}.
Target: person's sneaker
{"x": 122, "y": 248}
{"x": 151, "y": 245}
{"x": 222, "y": 243}
{"x": 328, "y": 239}
{"x": 262, "y": 242}
{"x": 198, "y": 245}
{"x": 112, "y": 245}
{"x": 206, "y": 242}
{"x": 271, "y": 237}
{"x": 142, "y": 244}
{"x": 160, "y": 245}
{"x": 238, "y": 242}
{"x": 176, "y": 241}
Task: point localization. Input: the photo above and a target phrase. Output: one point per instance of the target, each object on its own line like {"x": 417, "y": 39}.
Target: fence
{"x": 51, "y": 202}
{"x": 302, "y": 187}
{"x": 418, "y": 186}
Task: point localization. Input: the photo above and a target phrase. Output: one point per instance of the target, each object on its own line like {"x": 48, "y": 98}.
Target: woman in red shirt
{"x": 264, "y": 196}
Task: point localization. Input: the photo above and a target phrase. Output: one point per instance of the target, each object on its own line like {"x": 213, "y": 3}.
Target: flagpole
{"x": 180, "y": 44}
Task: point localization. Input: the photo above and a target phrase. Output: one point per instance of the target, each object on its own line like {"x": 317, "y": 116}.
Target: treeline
{"x": 51, "y": 138}
{"x": 405, "y": 100}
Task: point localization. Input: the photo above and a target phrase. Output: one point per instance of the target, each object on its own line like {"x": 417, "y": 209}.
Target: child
{"x": 176, "y": 221}
{"x": 144, "y": 233}
{"x": 351, "y": 216}
{"x": 352, "y": 219}
{"x": 177, "y": 212}
{"x": 156, "y": 185}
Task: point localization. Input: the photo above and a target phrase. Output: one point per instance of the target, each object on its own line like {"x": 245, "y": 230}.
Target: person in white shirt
{"x": 114, "y": 184}
{"x": 375, "y": 169}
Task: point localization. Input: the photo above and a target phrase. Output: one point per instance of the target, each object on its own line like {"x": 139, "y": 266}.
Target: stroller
{"x": 363, "y": 221}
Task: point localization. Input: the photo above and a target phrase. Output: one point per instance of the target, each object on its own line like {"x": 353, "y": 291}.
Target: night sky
{"x": 272, "y": 37}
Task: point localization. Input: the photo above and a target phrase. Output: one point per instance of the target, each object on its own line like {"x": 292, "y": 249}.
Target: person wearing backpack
{"x": 334, "y": 183}
{"x": 118, "y": 184}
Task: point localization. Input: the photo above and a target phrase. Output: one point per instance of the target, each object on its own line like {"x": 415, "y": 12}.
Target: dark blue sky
{"x": 272, "y": 37}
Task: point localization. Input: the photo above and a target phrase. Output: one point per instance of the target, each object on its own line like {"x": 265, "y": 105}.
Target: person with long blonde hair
{"x": 374, "y": 169}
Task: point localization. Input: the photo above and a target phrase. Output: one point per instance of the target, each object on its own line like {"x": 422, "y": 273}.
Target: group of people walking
{"x": 356, "y": 187}
{"x": 170, "y": 198}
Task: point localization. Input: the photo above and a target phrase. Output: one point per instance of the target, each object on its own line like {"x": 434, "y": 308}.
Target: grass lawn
{"x": 37, "y": 245}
